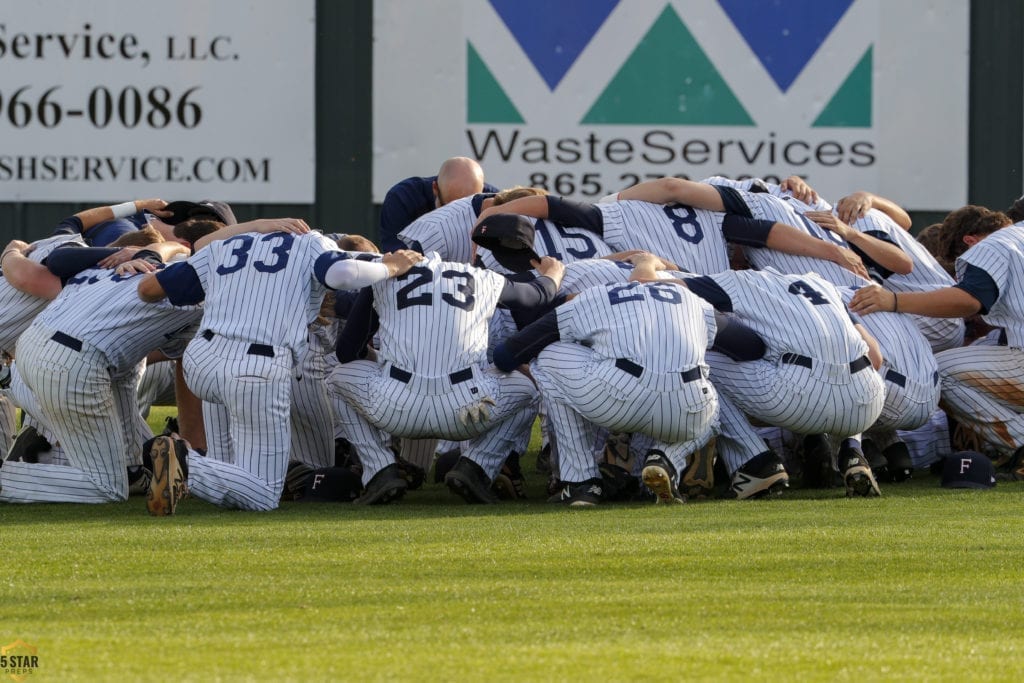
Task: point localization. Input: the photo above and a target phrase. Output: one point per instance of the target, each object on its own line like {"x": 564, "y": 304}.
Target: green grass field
{"x": 923, "y": 583}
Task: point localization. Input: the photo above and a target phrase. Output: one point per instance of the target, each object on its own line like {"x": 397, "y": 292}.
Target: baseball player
{"x": 81, "y": 359}
{"x": 413, "y": 197}
{"x": 261, "y": 290}
{"x": 444, "y": 389}
{"x": 982, "y": 384}
{"x": 793, "y": 186}
{"x": 627, "y": 357}
{"x": 813, "y": 378}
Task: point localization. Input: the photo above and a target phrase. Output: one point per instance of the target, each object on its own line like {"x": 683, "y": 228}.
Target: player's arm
{"x": 296, "y": 226}
{"x": 540, "y": 291}
{"x": 856, "y": 205}
{"x": 676, "y": 190}
{"x": 90, "y": 218}
{"x": 26, "y": 275}
{"x": 338, "y": 270}
{"x": 360, "y": 325}
{"x": 178, "y": 283}
{"x": 947, "y": 302}
{"x": 525, "y": 344}
{"x": 790, "y": 240}
{"x": 798, "y": 188}
{"x": 885, "y": 254}
{"x": 874, "y": 350}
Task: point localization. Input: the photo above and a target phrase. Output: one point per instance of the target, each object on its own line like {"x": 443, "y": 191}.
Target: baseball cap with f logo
{"x": 968, "y": 470}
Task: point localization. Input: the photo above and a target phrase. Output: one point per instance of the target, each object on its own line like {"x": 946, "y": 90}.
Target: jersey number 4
{"x": 465, "y": 285}
{"x": 242, "y": 245}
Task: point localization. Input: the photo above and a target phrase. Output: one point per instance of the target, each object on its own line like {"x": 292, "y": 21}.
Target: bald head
{"x": 458, "y": 177}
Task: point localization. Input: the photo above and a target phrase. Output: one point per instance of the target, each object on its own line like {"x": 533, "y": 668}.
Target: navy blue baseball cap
{"x": 206, "y": 209}
{"x": 968, "y": 470}
{"x": 510, "y": 239}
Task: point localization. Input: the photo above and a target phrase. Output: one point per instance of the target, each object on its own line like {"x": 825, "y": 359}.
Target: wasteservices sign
{"x": 118, "y": 100}
{"x": 586, "y": 97}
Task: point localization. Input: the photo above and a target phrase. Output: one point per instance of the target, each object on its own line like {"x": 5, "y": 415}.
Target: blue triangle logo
{"x": 785, "y": 34}
{"x": 553, "y": 34}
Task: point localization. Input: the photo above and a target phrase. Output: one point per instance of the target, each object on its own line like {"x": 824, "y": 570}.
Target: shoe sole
{"x": 582, "y": 504}
{"x": 658, "y": 480}
{"x": 770, "y": 487}
{"x": 861, "y": 483}
{"x": 465, "y": 489}
{"x": 506, "y": 488}
{"x": 167, "y": 485}
{"x": 388, "y": 493}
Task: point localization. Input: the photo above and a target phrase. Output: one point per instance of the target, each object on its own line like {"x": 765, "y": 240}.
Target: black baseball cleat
{"x": 509, "y": 484}
{"x": 170, "y": 427}
{"x": 413, "y": 474}
{"x": 468, "y": 480}
{"x": 138, "y": 480}
{"x": 659, "y": 475}
{"x": 1014, "y": 468}
{"x": 857, "y": 473}
{"x": 387, "y": 486}
{"x": 762, "y": 476}
{"x": 616, "y": 483}
{"x": 819, "y": 465}
{"x": 876, "y": 459}
{"x": 27, "y": 446}
{"x": 898, "y": 464}
{"x": 579, "y": 495}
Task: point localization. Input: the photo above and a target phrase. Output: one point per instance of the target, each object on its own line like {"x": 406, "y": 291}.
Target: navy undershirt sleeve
{"x": 575, "y": 214}
{"x": 404, "y": 203}
{"x": 527, "y": 343}
{"x": 737, "y": 341}
{"x": 537, "y": 292}
{"x": 750, "y": 232}
{"x": 979, "y": 284}
{"x": 181, "y": 284}
{"x": 361, "y": 325}
{"x": 710, "y": 291}
{"x": 67, "y": 263}
{"x": 733, "y": 201}
{"x": 72, "y": 225}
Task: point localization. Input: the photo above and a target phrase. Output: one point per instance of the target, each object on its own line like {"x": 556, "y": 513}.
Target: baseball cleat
{"x": 698, "y": 480}
{"x": 584, "y": 494}
{"x": 762, "y": 476}
{"x": 469, "y": 481}
{"x": 819, "y": 467}
{"x": 138, "y": 480}
{"x": 168, "y": 485}
{"x": 27, "y": 446}
{"x": 509, "y": 483}
{"x": 384, "y": 487}
{"x": 899, "y": 465}
{"x": 659, "y": 476}
{"x": 857, "y": 474}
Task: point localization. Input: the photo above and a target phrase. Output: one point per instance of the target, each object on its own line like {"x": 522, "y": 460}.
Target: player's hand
{"x": 18, "y": 246}
{"x": 872, "y": 298}
{"x": 799, "y": 188}
{"x": 135, "y": 266}
{"x": 654, "y": 261}
{"x": 153, "y": 206}
{"x": 828, "y": 220}
{"x": 295, "y": 226}
{"x": 123, "y": 255}
{"x": 399, "y": 262}
{"x": 551, "y": 267}
{"x": 849, "y": 260}
{"x": 476, "y": 413}
{"x": 855, "y": 206}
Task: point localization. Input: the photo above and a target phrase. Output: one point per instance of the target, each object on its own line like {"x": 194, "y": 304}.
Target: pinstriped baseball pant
{"x": 583, "y": 391}
{"x": 256, "y": 391}
{"x": 82, "y": 404}
{"x": 983, "y": 389}
{"x": 371, "y": 403}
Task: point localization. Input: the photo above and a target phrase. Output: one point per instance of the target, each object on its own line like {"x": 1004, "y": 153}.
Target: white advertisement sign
{"x": 150, "y": 98}
{"x": 585, "y": 97}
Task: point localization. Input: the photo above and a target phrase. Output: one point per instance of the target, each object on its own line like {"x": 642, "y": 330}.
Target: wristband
{"x": 895, "y": 303}
{"x": 609, "y": 198}
{"x": 124, "y": 210}
{"x": 9, "y": 251}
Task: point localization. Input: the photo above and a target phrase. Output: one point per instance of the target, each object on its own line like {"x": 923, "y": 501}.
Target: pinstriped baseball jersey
{"x": 801, "y": 314}
{"x": 18, "y": 309}
{"x": 1001, "y": 255}
{"x": 446, "y": 230}
{"x": 926, "y": 276}
{"x": 691, "y": 237}
{"x": 252, "y": 282}
{"x": 436, "y": 295}
{"x": 103, "y": 309}
{"x": 581, "y": 275}
{"x": 750, "y": 185}
{"x": 790, "y": 212}
{"x": 662, "y": 327}
{"x": 566, "y": 244}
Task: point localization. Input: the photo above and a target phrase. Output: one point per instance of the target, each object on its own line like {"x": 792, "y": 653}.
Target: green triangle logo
{"x": 486, "y": 101}
{"x": 668, "y": 80}
{"x": 850, "y": 106}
